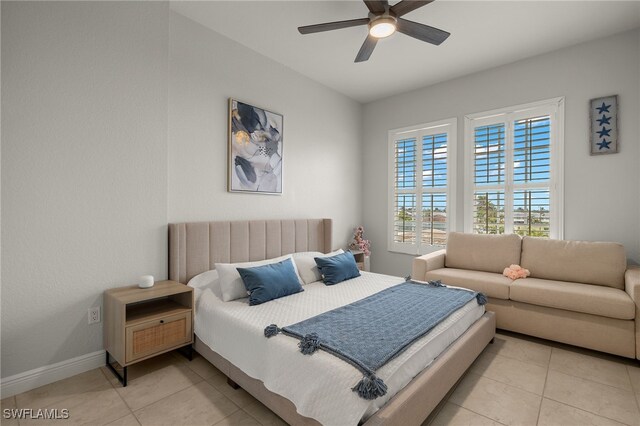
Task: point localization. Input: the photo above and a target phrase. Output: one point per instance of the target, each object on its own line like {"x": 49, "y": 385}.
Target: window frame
{"x": 554, "y": 108}
{"x": 450, "y": 127}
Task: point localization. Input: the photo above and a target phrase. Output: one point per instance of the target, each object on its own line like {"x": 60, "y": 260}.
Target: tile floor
{"x": 516, "y": 381}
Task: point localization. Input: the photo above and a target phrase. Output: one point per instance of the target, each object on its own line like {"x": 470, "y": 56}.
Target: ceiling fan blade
{"x": 328, "y": 26}
{"x": 406, "y": 6}
{"x": 422, "y": 32}
{"x": 376, "y": 6}
{"x": 367, "y": 48}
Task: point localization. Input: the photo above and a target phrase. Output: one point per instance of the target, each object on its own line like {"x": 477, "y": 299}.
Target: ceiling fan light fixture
{"x": 382, "y": 27}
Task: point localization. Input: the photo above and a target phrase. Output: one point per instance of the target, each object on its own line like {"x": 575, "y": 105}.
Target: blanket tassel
{"x": 271, "y": 330}
{"x": 309, "y": 344}
{"x": 370, "y": 387}
{"x": 481, "y": 298}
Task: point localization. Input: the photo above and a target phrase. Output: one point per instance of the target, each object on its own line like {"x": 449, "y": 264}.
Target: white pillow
{"x": 307, "y": 268}
{"x": 231, "y": 283}
{"x": 208, "y": 279}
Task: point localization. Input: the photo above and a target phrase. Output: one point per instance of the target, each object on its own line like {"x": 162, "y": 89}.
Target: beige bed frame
{"x": 196, "y": 247}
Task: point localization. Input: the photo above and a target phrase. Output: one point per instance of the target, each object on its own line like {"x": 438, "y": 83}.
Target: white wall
{"x": 84, "y": 175}
{"x": 601, "y": 192}
{"x": 322, "y": 130}
{"x": 101, "y": 147}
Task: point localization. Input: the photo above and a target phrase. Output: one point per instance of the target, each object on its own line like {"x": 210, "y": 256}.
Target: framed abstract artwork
{"x": 255, "y": 149}
{"x": 604, "y": 125}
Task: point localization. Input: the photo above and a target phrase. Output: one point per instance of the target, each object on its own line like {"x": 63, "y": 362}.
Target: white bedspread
{"x": 318, "y": 385}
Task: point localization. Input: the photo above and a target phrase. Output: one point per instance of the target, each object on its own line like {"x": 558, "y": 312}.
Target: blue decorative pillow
{"x": 338, "y": 268}
{"x": 270, "y": 281}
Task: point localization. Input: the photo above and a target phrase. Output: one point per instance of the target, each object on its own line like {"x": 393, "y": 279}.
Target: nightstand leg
{"x": 122, "y": 378}
{"x": 187, "y": 352}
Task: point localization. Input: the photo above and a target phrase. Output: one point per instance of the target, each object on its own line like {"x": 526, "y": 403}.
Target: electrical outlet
{"x": 94, "y": 315}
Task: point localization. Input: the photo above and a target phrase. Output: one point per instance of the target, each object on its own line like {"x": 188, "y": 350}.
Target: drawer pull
{"x": 161, "y": 321}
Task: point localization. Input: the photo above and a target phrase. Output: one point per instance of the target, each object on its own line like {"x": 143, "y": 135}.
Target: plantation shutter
{"x": 405, "y": 195}
{"x": 420, "y": 186}
{"x": 531, "y": 176}
{"x": 489, "y": 179}
{"x": 514, "y": 187}
{"x": 434, "y": 189}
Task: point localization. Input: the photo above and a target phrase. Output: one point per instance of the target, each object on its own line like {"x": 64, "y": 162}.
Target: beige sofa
{"x": 579, "y": 292}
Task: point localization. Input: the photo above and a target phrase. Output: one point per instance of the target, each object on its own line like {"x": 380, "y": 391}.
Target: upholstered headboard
{"x": 195, "y": 247}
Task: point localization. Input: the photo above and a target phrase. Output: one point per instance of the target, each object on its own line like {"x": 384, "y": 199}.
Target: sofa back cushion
{"x": 489, "y": 253}
{"x": 585, "y": 262}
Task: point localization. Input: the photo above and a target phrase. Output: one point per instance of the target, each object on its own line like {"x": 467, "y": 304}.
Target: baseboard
{"x": 37, "y": 377}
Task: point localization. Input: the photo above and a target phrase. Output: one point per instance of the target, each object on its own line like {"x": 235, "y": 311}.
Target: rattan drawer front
{"x": 158, "y": 335}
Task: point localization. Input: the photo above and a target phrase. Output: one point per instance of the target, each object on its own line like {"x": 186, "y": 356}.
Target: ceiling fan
{"x": 384, "y": 20}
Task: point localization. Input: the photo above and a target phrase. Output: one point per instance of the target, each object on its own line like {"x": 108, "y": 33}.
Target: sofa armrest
{"x": 632, "y": 287}
{"x": 428, "y": 262}
{"x": 632, "y": 284}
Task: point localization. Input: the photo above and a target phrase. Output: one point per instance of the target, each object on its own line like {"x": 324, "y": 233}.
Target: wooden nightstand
{"x": 140, "y": 323}
{"x": 361, "y": 260}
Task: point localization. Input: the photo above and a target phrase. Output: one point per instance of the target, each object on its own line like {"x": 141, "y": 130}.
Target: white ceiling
{"x": 484, "y": 34}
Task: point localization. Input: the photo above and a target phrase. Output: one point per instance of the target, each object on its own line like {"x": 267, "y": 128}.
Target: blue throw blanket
{"x": 370, "y": 332}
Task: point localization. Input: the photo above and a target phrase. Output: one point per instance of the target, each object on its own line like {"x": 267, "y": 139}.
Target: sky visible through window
{"x": 405, "y": 164}
{"x": 434, "y": 162}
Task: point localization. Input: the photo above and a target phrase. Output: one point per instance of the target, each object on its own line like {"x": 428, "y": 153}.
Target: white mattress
{"x": 318, "y": 385}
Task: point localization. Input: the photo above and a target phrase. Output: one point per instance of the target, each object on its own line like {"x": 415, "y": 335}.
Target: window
{"x": 421, "y": 201}
{"x": 513, "y": 160}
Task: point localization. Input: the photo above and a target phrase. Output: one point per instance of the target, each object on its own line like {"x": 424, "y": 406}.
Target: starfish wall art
{"x": 604, "y": 125}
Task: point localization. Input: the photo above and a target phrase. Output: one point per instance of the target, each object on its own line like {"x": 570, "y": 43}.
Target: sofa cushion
{"x": 492, "y": 285}
{"x": 489, "y": 253}
{"x": 576, "y": 297}
{"x": 586, "y": 262}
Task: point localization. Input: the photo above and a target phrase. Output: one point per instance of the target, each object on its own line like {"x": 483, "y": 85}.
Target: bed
{"x": 195, "y": 247}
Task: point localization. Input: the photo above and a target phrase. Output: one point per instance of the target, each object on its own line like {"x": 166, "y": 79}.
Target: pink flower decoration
{"x": 359, "y": 243}
{"x": 515, "y": 272}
